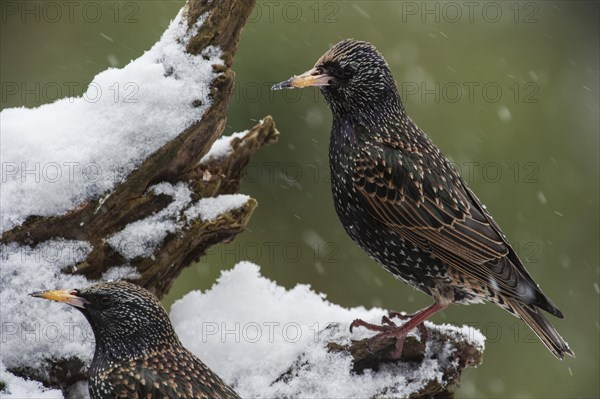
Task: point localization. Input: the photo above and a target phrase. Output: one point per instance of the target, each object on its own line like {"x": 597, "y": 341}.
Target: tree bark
{"x": 176, "y": 161}
{"x": 452, "y": 352}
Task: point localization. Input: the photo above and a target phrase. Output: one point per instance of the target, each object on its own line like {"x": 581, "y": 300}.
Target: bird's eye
{"x": 342, "y": 73}
{"x": 336, "y": 70}
{"x": 346, "y": 73}
{"x": 102, "y": 301}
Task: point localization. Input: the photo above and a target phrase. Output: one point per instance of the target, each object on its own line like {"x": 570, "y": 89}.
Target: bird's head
{"x": 122, "y": 315}
{"x": 353, "y": 77}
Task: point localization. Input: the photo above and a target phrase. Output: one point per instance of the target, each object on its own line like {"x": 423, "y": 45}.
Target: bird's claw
{"x": 386, "y": 320}
{"x": 368, "y": 326}
{"x": 424, "y": 332}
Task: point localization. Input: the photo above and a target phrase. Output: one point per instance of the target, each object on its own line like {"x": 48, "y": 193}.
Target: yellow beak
{"x": 309, "y": 78}
{"x": 66, "y": 296}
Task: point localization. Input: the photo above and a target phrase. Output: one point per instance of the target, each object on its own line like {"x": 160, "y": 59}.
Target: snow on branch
{"x": 128, "y": 197}
{"x": 270, "y": 342}
{"x": 102, "y": 140}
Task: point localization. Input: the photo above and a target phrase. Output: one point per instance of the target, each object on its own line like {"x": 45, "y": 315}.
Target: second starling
{"x": 402, "y": 201}
{"x": 138, "y": 354}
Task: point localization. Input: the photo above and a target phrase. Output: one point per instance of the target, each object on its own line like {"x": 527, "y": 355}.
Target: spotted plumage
{"x": 403, "y": 202}
{"x": 138, "y": 354}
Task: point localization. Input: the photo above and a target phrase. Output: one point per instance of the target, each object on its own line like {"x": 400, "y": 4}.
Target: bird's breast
{"x": 383, "y": 244}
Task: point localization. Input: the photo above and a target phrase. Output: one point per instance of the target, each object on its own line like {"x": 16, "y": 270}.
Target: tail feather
{"x": 542, "y": 328}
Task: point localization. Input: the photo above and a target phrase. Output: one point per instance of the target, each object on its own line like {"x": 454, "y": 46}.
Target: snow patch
{"x": 19, "y": 388}
{"x": 33, "y": 329}
{"x": 249, "y": 331}
{"x": 57, "y": 156}
{"x": 209, "y": 209}
{"x": 142, "y": 237}
{"x": 125, "y": 272}
{"x": 221, "y": 147}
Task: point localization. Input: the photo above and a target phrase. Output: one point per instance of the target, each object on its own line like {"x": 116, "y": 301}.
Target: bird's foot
{"x": 368, "y": 326}
{"x": 404, "y": 316}
{"x": 389, "y": 329}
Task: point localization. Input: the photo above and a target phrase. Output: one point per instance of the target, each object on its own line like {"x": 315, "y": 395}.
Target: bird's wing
{"x": 169, "y": 375}
{"x": 138, "y": 382}
{"x": 415, "y": 191}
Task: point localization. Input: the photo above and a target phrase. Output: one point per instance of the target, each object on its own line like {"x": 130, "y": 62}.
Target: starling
{"x": 401, "y": 200}
{"x": 138, "y": 354}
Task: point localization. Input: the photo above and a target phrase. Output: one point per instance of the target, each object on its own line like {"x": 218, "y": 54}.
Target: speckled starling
{"x": 138, "y": 354}
{"x": 403, "y": 202}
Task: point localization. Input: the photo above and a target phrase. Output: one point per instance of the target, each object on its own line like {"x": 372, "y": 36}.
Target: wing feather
{"x": 438, "y": 213}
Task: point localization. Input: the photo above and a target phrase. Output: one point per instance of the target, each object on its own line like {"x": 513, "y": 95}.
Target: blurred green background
{"x": 507, "y": 90}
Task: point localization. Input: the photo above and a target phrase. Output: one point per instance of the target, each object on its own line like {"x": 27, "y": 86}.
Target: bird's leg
{"x": 400, "y": 332}
{"x": 387, "y": 321}
{"x": 405, "y": 316}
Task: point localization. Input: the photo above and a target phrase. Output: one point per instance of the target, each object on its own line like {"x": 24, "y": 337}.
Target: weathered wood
{"x": 176, "y": 161}
{"x": 459, "y": 354}
{"x": 444, "y": 352}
